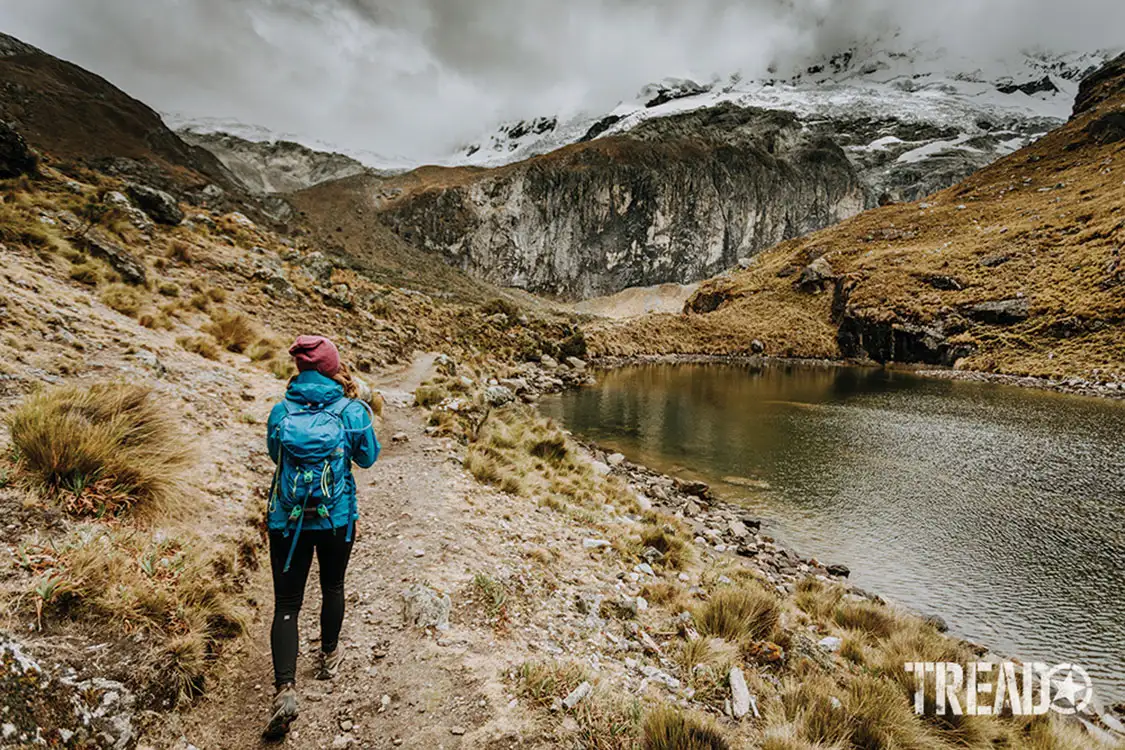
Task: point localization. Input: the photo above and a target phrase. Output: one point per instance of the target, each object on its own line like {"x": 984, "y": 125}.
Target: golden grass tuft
{"x": 184, "y": 588}
{"x": 204, "y": 346}
{"x": 737, "y": 613}
{"x": 125, "y": 299}
{"x": 874, "y": 619}
{"x": 540, "y": 682}
{"x": 664, "y": 538}
{"x": 428, "y": 396}
{"x": 669, "y": 728}
{"x": 87, "y": 272}
{"x": 234, "y": 331}
{"x": 109, "y": 447}
{"x": 818, "y": 599}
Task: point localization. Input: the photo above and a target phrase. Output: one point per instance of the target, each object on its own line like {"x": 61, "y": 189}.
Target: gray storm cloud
{"x": 416, "y": 78}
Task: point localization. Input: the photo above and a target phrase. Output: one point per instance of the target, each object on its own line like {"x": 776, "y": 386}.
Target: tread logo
{"x": 989, "y": 688}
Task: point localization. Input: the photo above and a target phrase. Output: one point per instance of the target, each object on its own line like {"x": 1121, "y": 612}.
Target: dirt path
{"x": 413, "y": 505}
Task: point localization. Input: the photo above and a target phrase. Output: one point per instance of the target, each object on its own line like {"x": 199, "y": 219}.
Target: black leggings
{"x": 332, "y": 553}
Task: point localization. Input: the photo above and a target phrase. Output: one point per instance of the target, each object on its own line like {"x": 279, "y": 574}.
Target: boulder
{"x": 576, "y": 363}
{"x": 1000, "y": 312}
{"x": 757, "y": 347}
{"x": 99, "y": 244}
{"x": 160, "y": 206}
{"x": 16, "y": 157}
{"x": 840, "y": 571}
{"x": 424, "y": 608}
{"x": 577, "y": 695}
{"x": 740, "y": 694}
{"x": 815, "y": 277}
{"x": 499, "y": 395}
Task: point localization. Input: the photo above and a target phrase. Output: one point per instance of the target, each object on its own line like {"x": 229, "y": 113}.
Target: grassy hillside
{"x": 1042, "y": 228}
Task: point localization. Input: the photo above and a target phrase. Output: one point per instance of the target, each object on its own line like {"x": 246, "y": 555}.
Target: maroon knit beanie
{"x": 316, "y": 353}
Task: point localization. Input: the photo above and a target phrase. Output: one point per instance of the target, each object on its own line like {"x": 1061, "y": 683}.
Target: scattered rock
{"x": 830, "y": 643}
{"x": 400, "y": 437}
{"x": 425, "y": 608}
{"x": 757, "y": 347}
{"x": 999, "y": 312}
{"x": 577, "y": 695}
{"x": 840, "y": 571}
{"x": 549, "y": 362}
{"x": 937, "y": 622}
{"x": 97, "y": 243}
{"x": 160, "y": 206}
{"x": 816, "y": 277}
{"x": 740, "y": 694}
{"x": 615, "y": 459}
{"x": 595, "y": 544}
{"x": 576, "y": 363}
{"x": 499, "y": 395}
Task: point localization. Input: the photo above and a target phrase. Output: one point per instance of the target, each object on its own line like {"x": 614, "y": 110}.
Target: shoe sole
{"x": 278, "y": 727}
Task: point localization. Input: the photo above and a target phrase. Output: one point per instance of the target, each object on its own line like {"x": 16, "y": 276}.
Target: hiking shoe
{"x": 284, "y": 712}
{"x": 329, "y": 664}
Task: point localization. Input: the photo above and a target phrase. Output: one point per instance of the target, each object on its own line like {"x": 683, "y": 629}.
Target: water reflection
{"x": 999, "y": 508}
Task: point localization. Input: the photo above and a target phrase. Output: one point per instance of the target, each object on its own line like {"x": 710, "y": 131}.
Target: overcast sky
{"x": 417, "y": 78}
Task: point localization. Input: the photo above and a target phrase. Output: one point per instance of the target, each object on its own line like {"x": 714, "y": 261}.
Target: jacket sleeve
{"x": 273, "y": 445}
{"x": 361, "y": 435}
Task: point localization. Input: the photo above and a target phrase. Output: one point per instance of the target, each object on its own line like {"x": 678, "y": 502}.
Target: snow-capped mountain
{"x": 1025, "y": 96}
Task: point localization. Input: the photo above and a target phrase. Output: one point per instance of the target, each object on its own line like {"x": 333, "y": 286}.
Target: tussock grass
{"x": 818, "y": 599}
{"x": 663, "y": 593}
{"x": 125, "y": 299}
{"x": 668, "y": 728}
{"x": 737, "y": 613}
{"x": 204, "y": 346}
{"x": 666, "y": 539}
{"x": 107, "y": 448}
{"x": 540, "y": 682}
{"x": 183, "y": 588}
{"x": 874, "y": 619}
{"x": 87, "y": 272}
{"x": 705, "y": 665}
{"x": 429, "y": 396}
{"x": 234, "y": 331}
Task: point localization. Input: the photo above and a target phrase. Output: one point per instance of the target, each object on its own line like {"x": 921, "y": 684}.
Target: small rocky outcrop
{"x": 1100, "y": 86}
{"x": 816, "y": 277}
{"x": 160, "y": 206}
{"x": 38, "y": 708}
{"x": 425, "y": 608}
{"x": 1003, "y": 312}
{"x": 16, "y": 157}
{"x": 99, "y": 244}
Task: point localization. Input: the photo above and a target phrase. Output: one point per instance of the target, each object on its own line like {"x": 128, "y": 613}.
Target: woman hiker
{"x": 313, "y": 436}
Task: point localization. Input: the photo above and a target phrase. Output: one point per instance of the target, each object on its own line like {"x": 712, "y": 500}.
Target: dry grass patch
{"x": 234, "y": 331}
{"x": 668, "y": 728}
{"x": 125, "y": 299}
{"x": 540, "y": 682}
{"x": 107, "y": 448}
{"x": 818, "y": 599}
{"x": 204, "y": 346}
{"x": 183, "y": 588}
{"x": 668, "y": 541}
{"x": 739, "y": 613}
{"x": 877, "y": 620}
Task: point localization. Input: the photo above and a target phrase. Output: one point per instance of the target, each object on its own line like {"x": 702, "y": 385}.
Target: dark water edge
{"x": 1001, "y": 509}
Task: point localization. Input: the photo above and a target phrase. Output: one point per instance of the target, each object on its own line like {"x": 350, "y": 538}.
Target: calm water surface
{"x": 1001, "y": 509}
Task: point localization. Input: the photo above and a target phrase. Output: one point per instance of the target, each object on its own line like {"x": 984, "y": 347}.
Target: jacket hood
{"x": 313, "y": 388}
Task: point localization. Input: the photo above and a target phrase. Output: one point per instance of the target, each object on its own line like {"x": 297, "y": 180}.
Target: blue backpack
{"x": 312, "y": 470}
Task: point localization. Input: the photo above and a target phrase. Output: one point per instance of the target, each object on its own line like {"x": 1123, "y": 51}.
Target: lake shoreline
{"x": 722, "y": 503}
{"x": 1071, "y": 386}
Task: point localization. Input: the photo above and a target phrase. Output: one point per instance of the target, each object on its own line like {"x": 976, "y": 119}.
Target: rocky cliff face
{"x": 673, "y": 200}
{"x": 274, "y": 167}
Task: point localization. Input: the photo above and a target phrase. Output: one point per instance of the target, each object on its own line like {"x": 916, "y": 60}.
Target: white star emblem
{"x": 1070, "y": 696}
